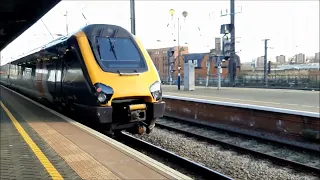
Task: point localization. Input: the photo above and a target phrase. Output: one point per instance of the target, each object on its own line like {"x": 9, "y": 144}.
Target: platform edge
{"x": 140, "y": 157}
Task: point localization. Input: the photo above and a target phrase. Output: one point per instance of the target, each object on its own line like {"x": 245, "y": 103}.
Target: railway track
{"x": 195, "y": 130}
{"x": 292, "y": 127}
{"x": 199, "y": 170}
{"x": 297, "y": 158}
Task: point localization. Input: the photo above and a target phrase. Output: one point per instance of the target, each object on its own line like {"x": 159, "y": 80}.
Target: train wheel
{"x": 151, "y": 124}
{"x": 137, "y": 129}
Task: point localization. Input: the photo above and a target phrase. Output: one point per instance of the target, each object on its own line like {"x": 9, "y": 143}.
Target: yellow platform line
{"x": 43, "y": 159}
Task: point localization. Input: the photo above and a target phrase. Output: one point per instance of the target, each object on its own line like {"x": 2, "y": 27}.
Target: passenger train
{"x": 102, "y": 72}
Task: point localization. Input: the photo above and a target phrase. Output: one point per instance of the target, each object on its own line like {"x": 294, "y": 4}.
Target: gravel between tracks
{"x": 227, "y": 162}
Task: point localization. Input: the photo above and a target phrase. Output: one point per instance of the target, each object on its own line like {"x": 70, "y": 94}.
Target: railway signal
{"x": 226, "y": 48}
{"x": 171, "y": 63}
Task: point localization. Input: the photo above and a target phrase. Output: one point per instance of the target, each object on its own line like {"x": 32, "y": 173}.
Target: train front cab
{"x": 126, "y": 83}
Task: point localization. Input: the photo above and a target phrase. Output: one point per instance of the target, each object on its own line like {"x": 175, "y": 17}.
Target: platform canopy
{"x": 16, "y": 16}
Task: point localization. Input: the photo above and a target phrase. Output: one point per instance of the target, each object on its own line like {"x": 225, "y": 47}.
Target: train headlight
{"x": 102, "y": 97}
{"x": 156, "y": 90}
{"x": 103, "y": 92}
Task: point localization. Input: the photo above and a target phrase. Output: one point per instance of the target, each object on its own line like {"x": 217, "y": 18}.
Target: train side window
{"x": 32, "y": 65}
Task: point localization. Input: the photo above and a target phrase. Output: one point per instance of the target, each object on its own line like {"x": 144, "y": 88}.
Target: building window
{"x": 195, "y": 62}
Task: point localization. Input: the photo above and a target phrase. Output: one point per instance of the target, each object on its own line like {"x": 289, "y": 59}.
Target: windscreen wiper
{"x": 98, "y": 49}
{"x": 112, "y": 48}
{"x": 112, "y": 44}
{"x": 115, "y": 37}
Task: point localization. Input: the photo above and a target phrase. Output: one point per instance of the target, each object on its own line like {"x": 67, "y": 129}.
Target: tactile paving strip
{"x": 17, "y": 159}
{"x": 8, "y": 131}
{"x": 81, "y": 162}
{"x": 84, "y": 164}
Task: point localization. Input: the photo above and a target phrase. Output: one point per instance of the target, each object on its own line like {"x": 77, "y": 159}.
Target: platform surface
{"x": 36, "y": 143}
{"x": 18, "y": 161}
{"x": 279, "y": 98}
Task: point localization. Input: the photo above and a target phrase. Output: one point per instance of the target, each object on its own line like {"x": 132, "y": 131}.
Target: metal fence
{"x": 309, "y": 82}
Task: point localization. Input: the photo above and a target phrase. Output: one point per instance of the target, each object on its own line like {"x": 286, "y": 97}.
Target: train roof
{"x": 107, "y": 30}
{"x": 89, "y": 30}
{"x": 44, "y": 47}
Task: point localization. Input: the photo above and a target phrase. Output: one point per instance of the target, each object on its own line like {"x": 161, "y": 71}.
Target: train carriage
{"x": 101, "y": 71}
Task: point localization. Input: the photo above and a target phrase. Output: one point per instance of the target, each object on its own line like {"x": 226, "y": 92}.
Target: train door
{"x": 22, "y": 82}
{"x": 27, "y": 78}
{"x": 38, "y": 76}
{"x": 74, "y": 83}
{"x": 49, "y": 75}
{"x": 68, "y": 76}
{"x": 58, "y": 80}
{"x": 9, "y": 75}
{"x": 32, "y": 90}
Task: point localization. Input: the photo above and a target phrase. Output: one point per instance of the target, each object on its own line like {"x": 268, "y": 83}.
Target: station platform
{"x": 278, "y": 98}
{"x": 39, "y": 143}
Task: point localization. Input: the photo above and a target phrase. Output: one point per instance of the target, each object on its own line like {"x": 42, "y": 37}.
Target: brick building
{"x": 161, "y": 60}
{"x": 201, "y": 59}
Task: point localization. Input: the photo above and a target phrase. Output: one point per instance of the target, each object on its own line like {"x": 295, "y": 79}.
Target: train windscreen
{"x": 119, "y": 53}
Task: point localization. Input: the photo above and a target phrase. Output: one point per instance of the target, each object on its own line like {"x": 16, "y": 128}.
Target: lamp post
{"x": 184, "y": 14}
{"x": 133, "y": 17}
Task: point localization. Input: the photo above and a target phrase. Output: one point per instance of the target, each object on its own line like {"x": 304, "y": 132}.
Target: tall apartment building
{"x": 316, "y": 57}
{"x": 281, "y": 59}
{"x": 300, "y": 58}
{"x": 260, "y": 62}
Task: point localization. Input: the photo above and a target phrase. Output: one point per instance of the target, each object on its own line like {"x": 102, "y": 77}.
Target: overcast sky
{"x": 292, "y": 26}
